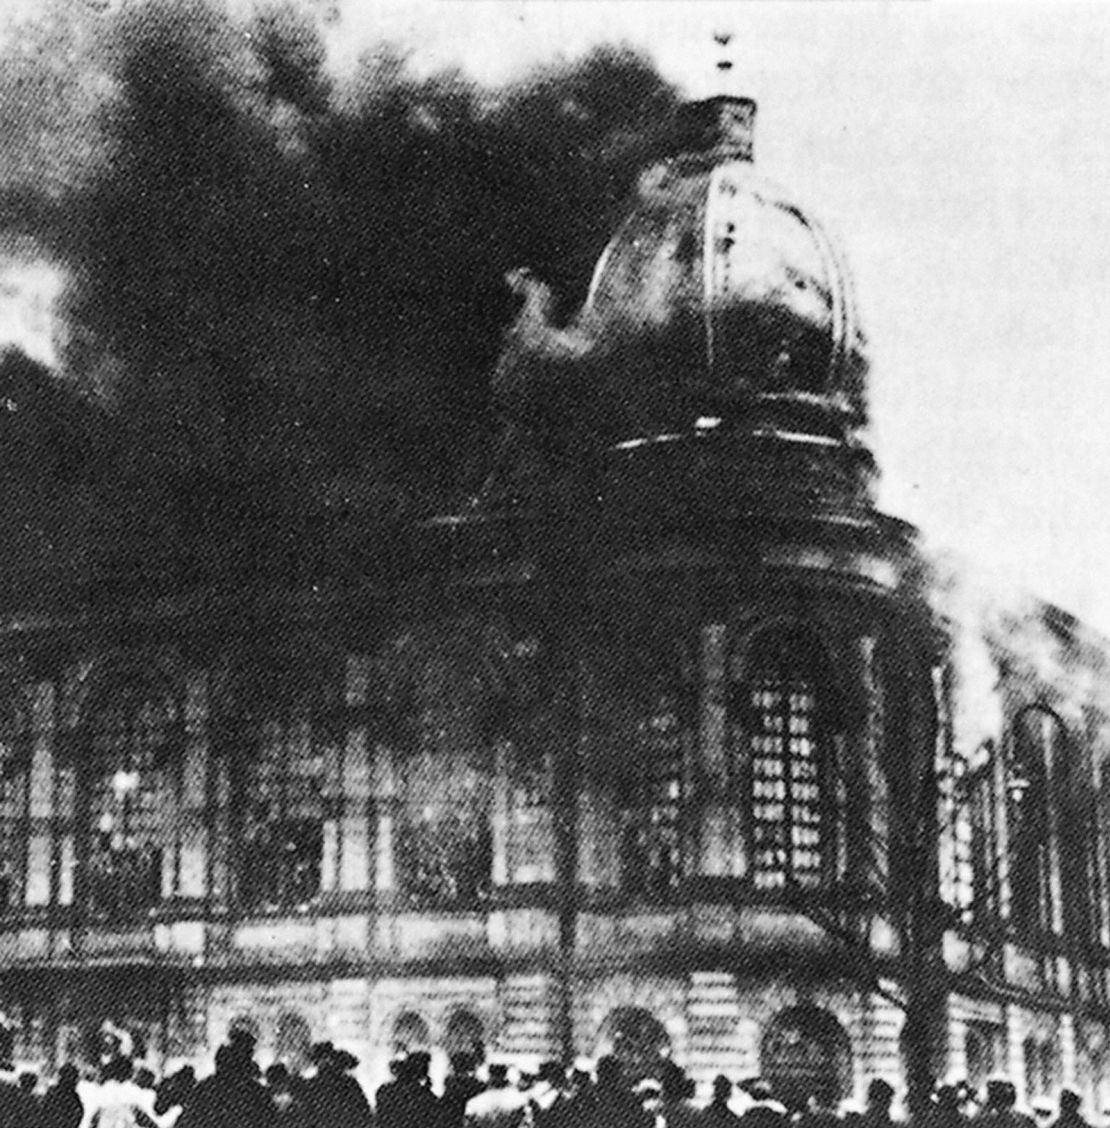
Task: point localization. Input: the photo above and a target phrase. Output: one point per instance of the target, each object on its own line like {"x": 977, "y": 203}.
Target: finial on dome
{"x": 724, "y": 65}
{"x": 721, "y": 127}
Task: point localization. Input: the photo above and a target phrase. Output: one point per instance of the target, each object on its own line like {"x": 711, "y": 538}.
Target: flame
{"x": 30, "y": 287}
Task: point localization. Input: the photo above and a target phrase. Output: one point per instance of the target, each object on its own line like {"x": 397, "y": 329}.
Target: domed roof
{"x": 717, "y": 256}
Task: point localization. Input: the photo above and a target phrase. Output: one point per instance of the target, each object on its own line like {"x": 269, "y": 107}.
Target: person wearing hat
{"x": 232, "y": 1095}
{"x": 999, "y": 1110}
{"x": 408, "y": 1101}
{"x": 333, "y": 1095}
{"x": 678, "y": 1091}
{"x": 458, "y": 1087}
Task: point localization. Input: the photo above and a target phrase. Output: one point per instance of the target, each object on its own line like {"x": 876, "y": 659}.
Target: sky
{"x": 961, "y": 151}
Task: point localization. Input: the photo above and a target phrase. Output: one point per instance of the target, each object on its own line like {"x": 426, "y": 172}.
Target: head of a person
{"x": 463, "y": 1063}
{"x": 277, "y": 1077}
{"x": 551, "y": 1073}
{"x": 948, "y": 1098}
{"x": 610, "y": 1075}
{"x": 499, "y": 1076}
{"x": 880, "y": 1094}
{"x": 1069, "y": 1100}
{"x": 243, "y": 1040}
{"x": 722, "y": 1089}
{"x": 673, "y": 1080}
{"x": 759, "y": 1090}
{"x": 118, "y": 1068}
{"x": 1001, "y": 1094}
{"x": 68, "y": 1076}
{"x": 144, "y": 1077}
{"x": 420, "y": 1063}
{"x": 28, "y": 1081}
{"x": 322, "y": 1055}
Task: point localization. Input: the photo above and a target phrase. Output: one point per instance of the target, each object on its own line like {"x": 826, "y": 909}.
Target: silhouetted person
{"x": 61, "y": 1104}
{"x": 333, "y": 1096}
{"x": 174, "y": 1090}
{"x": 999, "y": 1111}
{"x": 289, "y": 1106}
{"x": 1070, "y": 1117}
{"x": 615, "y": 1106}
{"x": 460, "y": 1085}
{"x": 880, "y": 1096}
{"x": 678, "y": 1091}
{"x": 717, "y": 1113}
{"x": 945, "y": 1110}
{"x": 231, "y": 1096}
{"x": 386, "y": 1097}
{"x": 820, "y": 1111}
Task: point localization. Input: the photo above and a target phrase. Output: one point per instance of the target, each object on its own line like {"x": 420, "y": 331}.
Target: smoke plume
{"x": 281, "y": 280}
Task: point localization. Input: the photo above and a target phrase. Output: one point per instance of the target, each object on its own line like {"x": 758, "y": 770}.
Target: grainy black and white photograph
{"x": 554, "y": 564}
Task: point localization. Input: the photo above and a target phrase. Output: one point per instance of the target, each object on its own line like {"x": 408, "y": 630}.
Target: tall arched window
{"x": 805, "y": 1052}
{"x": 788, "y": 776}
{"x": 651, "y": 855}
{"x": 15, "y": 762}
{"x": 130, "y": 813}
{"x": 1038, "y": 744}
{"x": 283, "y": 735}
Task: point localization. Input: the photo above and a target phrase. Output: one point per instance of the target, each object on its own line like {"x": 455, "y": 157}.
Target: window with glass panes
{"x": 15, "y": 759}
{"x": 651, "y": 832}
{"x": 788, "y": 832}
{"x": 125, "y": 832}
{"x": 282, "y": 813}
{"x": 1037, "y": 736}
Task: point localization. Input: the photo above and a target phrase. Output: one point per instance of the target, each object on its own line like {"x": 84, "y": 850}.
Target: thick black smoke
{"x": 285, "y": 281}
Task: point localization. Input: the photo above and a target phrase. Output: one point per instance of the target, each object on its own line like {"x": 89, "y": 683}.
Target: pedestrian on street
{"x": 61, "y": 1105}
{"x": 1070, "y": 1116}
{"x": 717, "y": 1112}
{"x": 333, "y": 1096}
{"x": 231, "y": 1097}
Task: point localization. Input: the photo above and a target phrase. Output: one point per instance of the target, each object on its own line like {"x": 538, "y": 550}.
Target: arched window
{"x": 410, "y": 1033}
{"x": 1038, "y": 744}
{"x": 983, "y": 1052}
{"x": 805, "y": 1052}
{"x": 463, "y": 1035}
{"x": 15, "y": 761}
{"x": 283, "y": 733}
{"x": 130, "y": 813}
{"x": 1042, "y": 1067}
{"x": 637, "y": 1039}
{"x": 443, "y": 839}
{"x": 293, "y": 1042}
{"x": 788, "y": 777}
{"x": 651, "y": 855}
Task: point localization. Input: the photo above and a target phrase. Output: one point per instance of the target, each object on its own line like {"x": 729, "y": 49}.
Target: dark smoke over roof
{"x": 284, "y": 279}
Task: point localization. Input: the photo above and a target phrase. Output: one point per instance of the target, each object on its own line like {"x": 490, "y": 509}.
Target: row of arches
{"x": 803, "y": 1049}
{"x": 673, "y": 722}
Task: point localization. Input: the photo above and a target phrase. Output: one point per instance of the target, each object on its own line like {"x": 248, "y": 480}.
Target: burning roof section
{"x": 720, "y": 310}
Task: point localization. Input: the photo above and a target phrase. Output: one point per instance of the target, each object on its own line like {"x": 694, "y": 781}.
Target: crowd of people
{"x": 237, "y": 1094}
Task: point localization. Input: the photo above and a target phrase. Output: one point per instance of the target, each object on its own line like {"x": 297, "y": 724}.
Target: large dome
{"x": 716, "y": 364}
{"x": 751, "y": 283}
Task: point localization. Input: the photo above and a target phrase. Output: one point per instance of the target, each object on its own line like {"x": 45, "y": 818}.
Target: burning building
{"x": 670, "y": 744}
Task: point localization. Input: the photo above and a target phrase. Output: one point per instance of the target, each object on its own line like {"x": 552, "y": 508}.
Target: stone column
{"x": 40, "y": 840}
